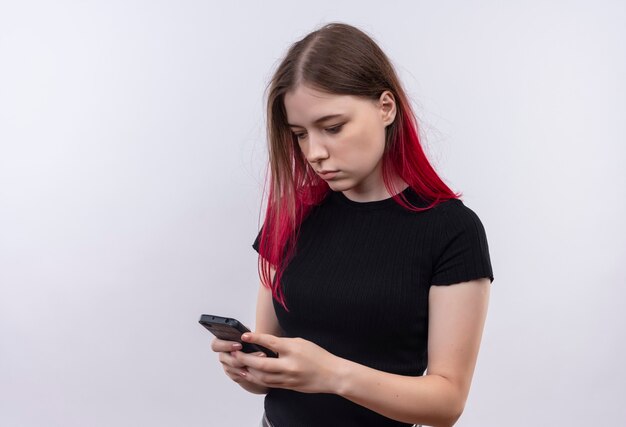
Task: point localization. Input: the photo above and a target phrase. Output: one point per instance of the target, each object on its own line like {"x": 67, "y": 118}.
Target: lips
{"x": 327, "y": 174}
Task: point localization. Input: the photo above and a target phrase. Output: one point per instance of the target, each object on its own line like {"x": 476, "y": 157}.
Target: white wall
{"x": 131, "y": 161}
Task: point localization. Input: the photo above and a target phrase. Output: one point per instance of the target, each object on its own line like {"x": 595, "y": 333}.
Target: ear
{"x": 387, "y": 105}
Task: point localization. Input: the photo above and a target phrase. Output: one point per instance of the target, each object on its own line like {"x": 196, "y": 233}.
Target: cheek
{"x": 370, "y": 144}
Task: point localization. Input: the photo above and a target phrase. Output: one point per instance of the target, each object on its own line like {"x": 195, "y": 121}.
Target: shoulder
{"x": 452, "y": 205}
{"x": 455, "y": 211}
{"x": 461, "y": 245}
{"x": 458, "y": 224}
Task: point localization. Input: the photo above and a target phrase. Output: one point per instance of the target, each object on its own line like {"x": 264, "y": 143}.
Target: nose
{"x": 315, "y": 149}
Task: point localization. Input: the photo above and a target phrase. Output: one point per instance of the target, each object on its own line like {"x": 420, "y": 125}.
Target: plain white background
{"x": 132, "y": 154}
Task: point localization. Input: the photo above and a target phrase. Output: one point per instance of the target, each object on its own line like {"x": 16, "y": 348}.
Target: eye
{"x": 299, "y": 136}
{"x": 335, "y": 129}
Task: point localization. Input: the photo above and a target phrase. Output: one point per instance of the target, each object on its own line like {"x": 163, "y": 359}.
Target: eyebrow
{"x": 321, "y": 119}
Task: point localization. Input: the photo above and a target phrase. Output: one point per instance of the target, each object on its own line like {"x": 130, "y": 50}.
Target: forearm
{"x": 431, "y": 399}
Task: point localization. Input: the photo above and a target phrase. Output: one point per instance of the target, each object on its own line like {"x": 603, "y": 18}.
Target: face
{"x": 342, "y": 137}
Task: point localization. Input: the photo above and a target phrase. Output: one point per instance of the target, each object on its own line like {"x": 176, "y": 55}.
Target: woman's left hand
{"x": 301, "y": 366}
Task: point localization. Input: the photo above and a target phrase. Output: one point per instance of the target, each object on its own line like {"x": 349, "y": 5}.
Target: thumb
{"x": 266, "y": 340}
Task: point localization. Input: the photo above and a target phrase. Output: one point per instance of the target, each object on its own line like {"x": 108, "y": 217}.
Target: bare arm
{"x": 267, "y": 323}
{"x": 457, "y": 315}
{"x": 266, "y": 320}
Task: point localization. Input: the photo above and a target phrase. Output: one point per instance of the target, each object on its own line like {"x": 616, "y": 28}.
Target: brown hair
{"x": 338, "y": 59}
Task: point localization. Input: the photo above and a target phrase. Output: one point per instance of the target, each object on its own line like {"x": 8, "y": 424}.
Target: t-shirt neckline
{"x": 375, "y": 204}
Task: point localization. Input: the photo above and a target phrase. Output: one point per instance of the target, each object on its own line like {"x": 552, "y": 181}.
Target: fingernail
{"x": 237, "y": 346}
{"x": 245, "y": 336}
{"x": 262, "y": 355}
{"x": 242, "y": 373}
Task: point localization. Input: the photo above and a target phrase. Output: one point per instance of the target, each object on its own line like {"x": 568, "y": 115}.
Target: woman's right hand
{"x": 232, "y": 367}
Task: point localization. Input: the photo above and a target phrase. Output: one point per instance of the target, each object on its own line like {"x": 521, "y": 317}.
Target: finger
{"x": 223, "y": 345}
{"x": 262, "y": 363}
{"x": 268, "y": 379}
{"x": 235, "y": 372}
{"x": 228, "y": 359}
{"x": 272, "y": 342}
{"x": 235, "y": 375}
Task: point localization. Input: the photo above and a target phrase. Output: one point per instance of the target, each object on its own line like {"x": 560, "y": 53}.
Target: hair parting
{"x": 338, "y": 59}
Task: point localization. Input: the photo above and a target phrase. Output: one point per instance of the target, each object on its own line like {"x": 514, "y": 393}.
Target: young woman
{"x": 372, "y": 269}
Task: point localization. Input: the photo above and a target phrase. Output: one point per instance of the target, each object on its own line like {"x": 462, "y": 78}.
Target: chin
{"x": 339, "y": 185}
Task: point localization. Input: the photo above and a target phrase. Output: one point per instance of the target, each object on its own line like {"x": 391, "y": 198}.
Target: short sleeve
{"x": 257, "y": 241}
{"x": 462, "y": 251}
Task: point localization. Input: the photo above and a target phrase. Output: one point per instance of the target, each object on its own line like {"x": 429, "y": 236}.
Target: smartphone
{"x": 229, "y": 329}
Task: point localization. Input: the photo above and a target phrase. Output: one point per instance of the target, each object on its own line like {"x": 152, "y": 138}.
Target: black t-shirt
{"x": 358, "y": 287}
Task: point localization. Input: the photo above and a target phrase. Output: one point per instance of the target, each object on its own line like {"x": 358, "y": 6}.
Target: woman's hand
{"x": 232, "y": 367}
{"x": 301, "y": 366}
